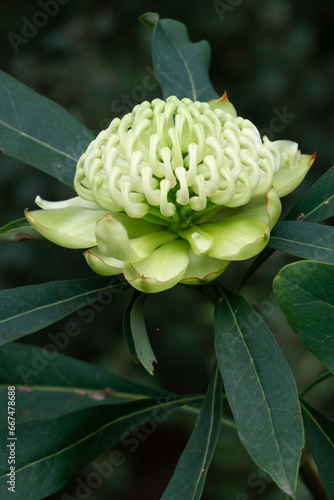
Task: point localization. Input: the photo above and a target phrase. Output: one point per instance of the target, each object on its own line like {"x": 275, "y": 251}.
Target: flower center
{"x": 176, "y": 160}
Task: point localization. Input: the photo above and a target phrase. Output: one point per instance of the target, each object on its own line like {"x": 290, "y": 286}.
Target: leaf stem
{"x": 187, "y": 408}
{"x": 262, "y": 257}
{"x": 319, "y": 378}
{"x": 311, "y": 478}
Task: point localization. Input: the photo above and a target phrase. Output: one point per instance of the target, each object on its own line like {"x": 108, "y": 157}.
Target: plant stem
{"x": 311, "y": 478}
{"x": 315, "y": 381}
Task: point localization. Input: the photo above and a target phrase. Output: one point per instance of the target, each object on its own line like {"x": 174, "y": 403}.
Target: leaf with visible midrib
{"x": 190, "y": 473}
{"x": 320, "y": 430}
{"x": 305, "y": 293}
{"x": 39, "y": 132}
{"x": 52, "y": 451}
{"x": 318, "y": 203}
{"x": 304, "y": 239}
{"x": 59, "y": 384}
{"x": 260, "y": 389}
{"x": 28, "y": 309}
{"x": 181, "y": 67}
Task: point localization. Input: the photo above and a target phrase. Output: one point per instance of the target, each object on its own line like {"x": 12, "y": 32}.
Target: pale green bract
{"x": 173, "y": 192}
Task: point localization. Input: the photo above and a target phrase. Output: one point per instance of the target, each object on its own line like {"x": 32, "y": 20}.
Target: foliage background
{"x": 93, "y": 59}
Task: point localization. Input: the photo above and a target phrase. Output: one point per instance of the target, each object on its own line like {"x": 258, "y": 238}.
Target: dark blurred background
{"x": 276, "y": 61}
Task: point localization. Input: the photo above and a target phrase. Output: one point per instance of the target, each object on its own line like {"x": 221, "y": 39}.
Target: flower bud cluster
{"x": 171, "y": 157}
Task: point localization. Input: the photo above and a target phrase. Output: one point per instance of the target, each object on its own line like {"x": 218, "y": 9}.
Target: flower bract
{"x": 173, "y": 192}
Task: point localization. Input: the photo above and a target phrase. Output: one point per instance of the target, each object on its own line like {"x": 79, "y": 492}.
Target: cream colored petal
{"x": 113, "y": 240}
{"x": 202, "y": 269}
{"x": 237, "y": 240}
{"x": 199, "y": 241}
{"x": 161, "y": 270}
{"x": 72, "y": 202}
{"x": 100, "y": 264}
{"x": 72, "y": 227}
{"x": 294, "y": 166}
{"x": 224, "y": 104}
{"x": 265, "y": 208}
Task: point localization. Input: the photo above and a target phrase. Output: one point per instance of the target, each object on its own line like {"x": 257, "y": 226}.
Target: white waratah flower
{"x": 173, "y": 192}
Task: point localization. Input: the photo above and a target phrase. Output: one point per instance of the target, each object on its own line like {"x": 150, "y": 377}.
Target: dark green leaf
{"x": 139, "y": 334}
{"x": 318, "y": 203}
{"x": 260, "y": 389}
{"x": 51, "y": 402}
{"x": 190, "y": 473}
{"x": 127, "y": 325}
{"x": 320, "y": 430}
{"x": 304, "y": 239}
{"x": 135, "y": 332}
{"x": 50, "y": 452}
{"x": 39, "y": 131}
{"x": 28, "y": 309}
{"x": 181, "y": 67}
{"x": 60, "y": 384}
{"x": 305, "y": 292}
{"x": 19, "y": 230}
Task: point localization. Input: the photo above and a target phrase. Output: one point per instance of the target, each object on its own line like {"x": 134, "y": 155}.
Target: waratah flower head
{"x": 173, "y": 192}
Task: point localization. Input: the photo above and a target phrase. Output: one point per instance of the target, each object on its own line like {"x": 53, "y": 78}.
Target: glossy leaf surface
{"x": 320, "y": 430}
{"x": 30, "y": 308}
{"x": 305, "y": 292}
{"x": 67, "y": 443}
{"x": 304, "y": 239}
{"x": 39, "y": 131}
{"x": 190, "y": 473}
{"x": 260, "y": 389}
{"x": 181, "y": 67}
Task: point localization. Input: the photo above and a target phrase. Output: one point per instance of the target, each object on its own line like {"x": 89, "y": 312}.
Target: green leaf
{"x": 39, "y": 131}
{"x": 19, "y": 230}
{"x": 51, "y": 451}
{"x": 320, "y": 430}
{"x": 305, "y": 292}
{"x": 181, "y": 67}
{"x": 141, "y": 343}
{"x": 30, "y": 308}
{"x": 318, "y": 203}
{"x": 127, "y": 325}
{"x": 135, "y": 332}
{"x": 188, "y": 479}
{"x": 60, "y": 384}
{"x": 304, "y": 239}
{"x": 260, "y": 389}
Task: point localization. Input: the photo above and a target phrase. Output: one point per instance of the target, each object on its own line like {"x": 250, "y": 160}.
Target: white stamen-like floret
{"x": 169, "y": 155}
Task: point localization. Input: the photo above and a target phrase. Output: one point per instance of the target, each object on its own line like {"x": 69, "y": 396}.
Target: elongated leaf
{"x": 41, "y": 371}
{"x": 320, "y": 430}
{"x": 190, "y": 473}
{"x": 19, "y": 230}
{"x": 39, "y": 131}
{"x": 304, "y": 239}
{"x": 127, "y": 325}
{"x": 28, "y": 309}
{"x": 305, "y": 292}
{"x": 318, "y": 203}
{"x": 37, "y": 404}
{"x": 141, "y": 341}
{"x": 260, "y": 389}
{"x": 52, "y": 451}
{"x": 181, "y": 67}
